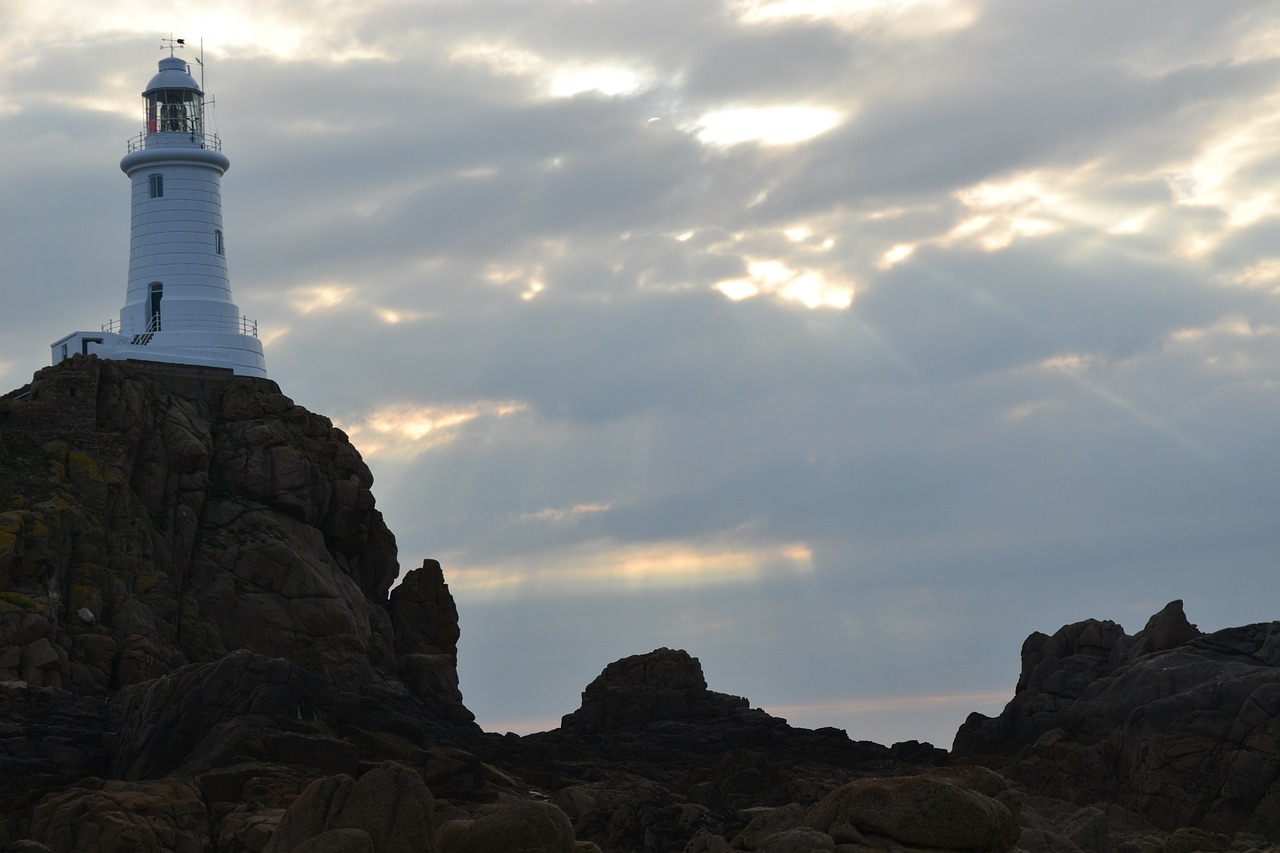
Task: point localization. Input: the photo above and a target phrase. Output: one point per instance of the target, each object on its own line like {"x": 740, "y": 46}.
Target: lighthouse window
{"x": 217, "y": 242}
{"x": 157, "y": 186}
{"x": 173, "y": 111}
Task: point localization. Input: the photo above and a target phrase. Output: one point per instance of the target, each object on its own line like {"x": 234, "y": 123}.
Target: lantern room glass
{"x": 174, "y": 111}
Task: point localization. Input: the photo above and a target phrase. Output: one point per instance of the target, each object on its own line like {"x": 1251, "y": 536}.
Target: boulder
{"x": 768, "y": 822}
{"x": 389, "y": 810}
{"x": 166, "y": 816}
{"x": 799, "y": 840}
{"x": 527, "y": 827}
{"x": 919, "y": 811}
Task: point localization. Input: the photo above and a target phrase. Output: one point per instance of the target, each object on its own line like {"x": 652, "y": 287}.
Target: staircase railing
{"x": 144, "y": 338}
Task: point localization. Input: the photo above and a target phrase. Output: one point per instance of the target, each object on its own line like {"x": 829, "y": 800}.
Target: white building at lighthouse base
{"x": 234, "y": 349}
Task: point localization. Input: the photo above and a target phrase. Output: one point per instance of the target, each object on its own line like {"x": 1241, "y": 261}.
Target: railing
{"x": 183, "y": 323}
{"x": 141, "y": 340}
{"x": 201, "y": 140}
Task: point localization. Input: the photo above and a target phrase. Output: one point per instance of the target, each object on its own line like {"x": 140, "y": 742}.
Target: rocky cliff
{"x": 1178, "y": 726}
{"x": 201, "y": 651}
{"x": 190, "y": 515}
{"x": 207, "y": 555}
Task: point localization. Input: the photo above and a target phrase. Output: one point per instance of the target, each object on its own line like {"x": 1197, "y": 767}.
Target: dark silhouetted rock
{"x": 209, "y": 555}
{"x": 1173, "y": 724}
{"x": 662, "y": 685}
{"x": 1166, "y": 630}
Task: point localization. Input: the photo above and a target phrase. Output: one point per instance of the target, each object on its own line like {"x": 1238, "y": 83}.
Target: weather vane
{"x": 172, "y": 43}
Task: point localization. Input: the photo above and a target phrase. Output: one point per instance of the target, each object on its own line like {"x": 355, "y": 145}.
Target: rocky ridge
{"x": 200, "y": 650}
{"x": 1176, "y": 725}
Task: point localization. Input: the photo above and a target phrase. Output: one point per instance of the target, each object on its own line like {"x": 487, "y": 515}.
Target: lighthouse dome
{"x": 174, "y": 73}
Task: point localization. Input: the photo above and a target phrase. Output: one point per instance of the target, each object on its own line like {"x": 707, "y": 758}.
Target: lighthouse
{"x": 178, "y": 307}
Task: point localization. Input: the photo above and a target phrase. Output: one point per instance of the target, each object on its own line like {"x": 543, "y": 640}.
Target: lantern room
{"x": 174, "y": 101}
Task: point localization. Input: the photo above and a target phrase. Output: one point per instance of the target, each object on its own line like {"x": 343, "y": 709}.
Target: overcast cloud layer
{"x": 840, "y": 342}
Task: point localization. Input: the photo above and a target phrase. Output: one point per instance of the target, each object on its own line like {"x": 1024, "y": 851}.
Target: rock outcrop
{"x": 1180, "y": 727}
{"x": 200, "y": 514}
{"x": 653, "y": 757}
{"x": 665, "y": 684}
{"x": 193, "y": 572}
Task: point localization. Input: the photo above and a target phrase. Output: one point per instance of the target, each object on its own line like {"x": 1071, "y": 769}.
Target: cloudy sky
{"x": 840, "y": 342}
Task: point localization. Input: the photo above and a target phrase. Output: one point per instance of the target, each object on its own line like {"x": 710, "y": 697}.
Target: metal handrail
{"x": 210, "y": 141}
{"x": 185, "y": 323}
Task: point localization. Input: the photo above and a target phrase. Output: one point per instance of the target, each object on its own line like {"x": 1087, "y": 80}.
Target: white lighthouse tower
{"x": 178, "y": 306}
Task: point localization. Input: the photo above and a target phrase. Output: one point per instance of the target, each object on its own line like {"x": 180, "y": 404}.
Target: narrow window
{"x": 217, "y": 242}
{"x": 157, "y": 186}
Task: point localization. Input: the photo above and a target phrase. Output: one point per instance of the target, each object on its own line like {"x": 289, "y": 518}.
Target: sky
{"x": 842, "y": 343}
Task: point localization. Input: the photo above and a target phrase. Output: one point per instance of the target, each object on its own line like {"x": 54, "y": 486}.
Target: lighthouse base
{"x": 241, "y": 354}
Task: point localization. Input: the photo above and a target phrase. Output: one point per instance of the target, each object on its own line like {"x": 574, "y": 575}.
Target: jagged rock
{"x": 425, "y": 620}
{"x": 527, "y": 827}
{"x": 661, "y": 685}
{"x": 1165, "y": 630}
{"x": 1181, "y": 727}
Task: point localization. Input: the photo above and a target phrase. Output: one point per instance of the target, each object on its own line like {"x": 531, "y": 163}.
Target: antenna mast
{"x": 200, "y": 59}
{"x": 205, "y": 100}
